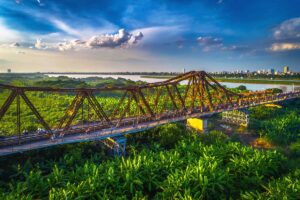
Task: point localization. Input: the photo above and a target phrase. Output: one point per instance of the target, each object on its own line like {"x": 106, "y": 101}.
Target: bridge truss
{"x": 94, "y": 109}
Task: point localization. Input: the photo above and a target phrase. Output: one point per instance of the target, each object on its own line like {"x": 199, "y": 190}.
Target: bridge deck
{"x": 93, "y": 136}
{"x": 113, "y": 132}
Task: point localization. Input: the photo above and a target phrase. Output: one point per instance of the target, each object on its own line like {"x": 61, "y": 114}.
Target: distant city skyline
{"x": 146, "y": 36}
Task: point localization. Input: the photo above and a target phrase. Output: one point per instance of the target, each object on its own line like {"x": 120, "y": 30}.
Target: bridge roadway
{"x": 94, "y": 134}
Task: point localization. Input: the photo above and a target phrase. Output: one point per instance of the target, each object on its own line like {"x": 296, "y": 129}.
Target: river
{"x": 250, "y": 86}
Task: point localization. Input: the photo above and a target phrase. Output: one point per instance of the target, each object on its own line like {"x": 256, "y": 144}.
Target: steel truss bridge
{"x": 91, "y": 116}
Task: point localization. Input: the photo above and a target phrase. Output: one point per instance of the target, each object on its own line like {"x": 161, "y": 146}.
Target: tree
{"x": 241, "y": 87}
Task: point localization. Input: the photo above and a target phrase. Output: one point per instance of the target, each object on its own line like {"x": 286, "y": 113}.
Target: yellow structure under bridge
{"x": 272, "y": 105}
{"x": 197, "y": 124}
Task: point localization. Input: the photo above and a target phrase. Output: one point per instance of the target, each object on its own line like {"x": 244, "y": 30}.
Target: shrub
{"x": 282, "y": 130}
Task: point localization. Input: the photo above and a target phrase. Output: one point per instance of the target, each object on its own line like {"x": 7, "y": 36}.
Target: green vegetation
{"x": 258, "y": 81}
{"x": 280, "y": 126}
{"x": 194, "y": 167}
{"x": 260, "y": 76}
{"x": 166, "y": 162}
{"x": 57, "y": 102}
{"x": 41, "y": 80}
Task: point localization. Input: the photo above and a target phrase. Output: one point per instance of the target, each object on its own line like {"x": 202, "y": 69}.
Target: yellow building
{"x": 286, "y": 69}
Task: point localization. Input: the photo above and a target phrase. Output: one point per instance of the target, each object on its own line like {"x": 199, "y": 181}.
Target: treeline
{"x": 259, "y": 76}
{"x": 41, "y": 80}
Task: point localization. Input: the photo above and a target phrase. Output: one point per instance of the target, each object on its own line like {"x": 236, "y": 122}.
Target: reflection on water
{"x": 250, "y": 86}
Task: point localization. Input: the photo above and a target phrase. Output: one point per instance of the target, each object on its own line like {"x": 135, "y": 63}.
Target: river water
{"x": 250, "y": 86}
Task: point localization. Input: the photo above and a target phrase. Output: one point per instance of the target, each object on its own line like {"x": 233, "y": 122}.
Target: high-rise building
{"x": 271, "y": 71}
{"x": 183, "y": 70}
{"x": 286, "y": 69}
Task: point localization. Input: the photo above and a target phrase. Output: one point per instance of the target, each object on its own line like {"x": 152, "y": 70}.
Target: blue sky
{"x": 128, "y": 35}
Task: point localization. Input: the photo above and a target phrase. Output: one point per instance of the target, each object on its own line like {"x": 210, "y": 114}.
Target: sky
{"x": 147, "y": 35}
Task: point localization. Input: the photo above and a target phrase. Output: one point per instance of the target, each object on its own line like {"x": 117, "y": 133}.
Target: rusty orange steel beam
{"x": 202, "y": 91}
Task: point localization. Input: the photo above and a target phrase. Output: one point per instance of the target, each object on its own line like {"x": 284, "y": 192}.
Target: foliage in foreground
{"x": 193, "y": 169}
{"x": 280, "y": 126}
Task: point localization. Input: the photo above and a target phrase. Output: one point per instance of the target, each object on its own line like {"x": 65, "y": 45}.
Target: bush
{"x": 287, "y": 187}
{"x": 241, "y": 87}
{"x": 191, "y": 170}
{"x": 214, "y": 137}
{"x": 282, "y": 130}
{"x": 295, "y": 148}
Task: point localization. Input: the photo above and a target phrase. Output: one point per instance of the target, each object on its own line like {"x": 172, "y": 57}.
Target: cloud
{"x": 284, "y": 46}
{"x": 208, "y": 43}
{"x": 160, "y": 34}
{"x": 64, "y": 27}
{"x": 289, "y": 29}
{"x": 120, "y": 39}
{"x": 236, "y": 48}
{"x": 7, "y": 34}
{"x": 15, "y": 44}
{"x": 135, "y": 38}
{"x": 287, "y": 36}
{"x": 71, "y": 45}
{"x": 39, "y": 44}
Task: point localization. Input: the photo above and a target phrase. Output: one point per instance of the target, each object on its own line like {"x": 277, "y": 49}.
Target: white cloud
{"x": 134, "y": 38}
{"x": 287, "y": 36}
{"x": 79, "y": 30}
{"x": 289, "y": 29}
{"x": 159, "y": 34}
{"x": 7, "y": 34}
{"x": 39, "y": 44}
{"x": 285, "y": 46}
{"x": 64, "y": 27}
{"x": 70, "y": 45}
{"x": 120, "y": 39}
{"x": 208, "y": 43}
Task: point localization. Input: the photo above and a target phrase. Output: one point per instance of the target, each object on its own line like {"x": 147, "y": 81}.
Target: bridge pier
{"x": 199, "y": 124}
{"x": 237, "y": 117}
{"x": 116, "y": 144}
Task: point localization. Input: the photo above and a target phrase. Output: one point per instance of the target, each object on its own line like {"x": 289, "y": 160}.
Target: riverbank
{"x": 230, "y": 80}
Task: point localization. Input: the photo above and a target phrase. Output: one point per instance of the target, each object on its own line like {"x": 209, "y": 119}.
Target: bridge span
{"x": 136, "y": 108}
